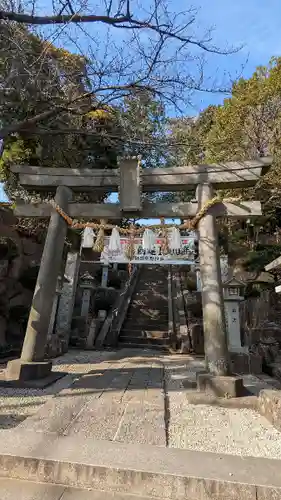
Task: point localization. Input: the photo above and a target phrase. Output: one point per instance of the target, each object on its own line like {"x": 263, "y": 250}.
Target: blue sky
{"x": 255, "y": 24}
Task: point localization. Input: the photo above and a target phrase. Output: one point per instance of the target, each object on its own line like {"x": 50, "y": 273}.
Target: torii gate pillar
{"x": 216, "y": 354}
{"x": 31, "y": 364}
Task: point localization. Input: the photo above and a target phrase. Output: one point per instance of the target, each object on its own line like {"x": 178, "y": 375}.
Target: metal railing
{"x": 109, "y": 333}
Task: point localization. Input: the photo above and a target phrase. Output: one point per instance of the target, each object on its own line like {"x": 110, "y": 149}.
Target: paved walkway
{"x": 133, "y": 396}
{"x": 27, "y": 490}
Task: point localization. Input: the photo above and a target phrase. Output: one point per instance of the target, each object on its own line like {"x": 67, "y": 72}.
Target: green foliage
{"x": 143, "y": 121}
{"x": 40, "y": 76}
{"x": 246, "y": 126}
{"x": 251, "y": 292}
{"x": 260, "y": 256}
{"x": 188, "y": 137}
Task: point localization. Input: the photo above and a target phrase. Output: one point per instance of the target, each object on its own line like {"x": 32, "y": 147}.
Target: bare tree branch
{"x": 125, "y": 21}
{"x": 60, "y": 19}
{"x": 155, "y": 50}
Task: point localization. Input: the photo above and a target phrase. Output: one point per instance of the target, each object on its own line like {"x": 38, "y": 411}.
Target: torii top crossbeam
{"x": 131, "y": 181}
{"x": 221, "y": 176}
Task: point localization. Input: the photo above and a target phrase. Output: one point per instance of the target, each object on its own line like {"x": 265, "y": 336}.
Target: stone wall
{"x": 20, "y": 255}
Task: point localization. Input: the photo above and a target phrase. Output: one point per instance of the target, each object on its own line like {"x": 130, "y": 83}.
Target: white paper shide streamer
{"x": 174, "y": 239}
{"x": 114, "y": 246}
{"x": 88, "y": 238}
{"x": 148, "y": 240}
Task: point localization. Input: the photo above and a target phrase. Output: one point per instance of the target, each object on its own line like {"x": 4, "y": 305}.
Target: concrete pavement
{"x": 117, "y": 425}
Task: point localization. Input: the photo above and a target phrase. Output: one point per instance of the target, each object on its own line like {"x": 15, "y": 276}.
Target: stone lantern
{"x": 241, "y": 360}
{"x": 55, "y": 307}
{"x": 232, "y": 291}
{"x": 87, "y": 283}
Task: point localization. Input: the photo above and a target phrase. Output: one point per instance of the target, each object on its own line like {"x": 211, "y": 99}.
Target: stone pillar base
{"x": 245, "y": 362}
{"x": 29, "y": 374}
{"x": 269, "y": 405}
{"x": 23, "y": 370}
{"x": 220, "y": 386}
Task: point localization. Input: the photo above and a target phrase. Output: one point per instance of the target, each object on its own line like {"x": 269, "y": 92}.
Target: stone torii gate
{"x": 131, "y": 181}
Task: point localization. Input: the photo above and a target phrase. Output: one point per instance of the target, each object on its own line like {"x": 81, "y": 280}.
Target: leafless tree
{"x": 125, "y": 45}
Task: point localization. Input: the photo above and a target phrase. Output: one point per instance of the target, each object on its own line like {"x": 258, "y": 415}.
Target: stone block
{"x": 267, "y": 493}
{"x": 197, "y": 338}
{"x": 26, "y": 490}
{"x": 142, "y": 423}
{"x": 186, "y": 346}
{"x": 79, "y": 327}
{"x": 266, "y": 330}
{"x": 220, "y": 386}
{"x": 57, "y": 414}
{"x": 255, "y": 362}
{"x": 274, "y": 369}
{"x": 239, "y": 362}
{"x": 55, "y": 347}
{"x": 21, "y": 370}
{"x": 4, "y": 264}
{"x": 3, "y": 327}
{"x": 202, "y": 398}
{"x": 269, "y": 405}
{"x": 244, "y": 362}
{"x": 139, "y": 470}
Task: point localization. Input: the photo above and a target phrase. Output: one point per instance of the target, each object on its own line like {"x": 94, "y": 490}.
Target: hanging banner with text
{"x": 183, "y": 256}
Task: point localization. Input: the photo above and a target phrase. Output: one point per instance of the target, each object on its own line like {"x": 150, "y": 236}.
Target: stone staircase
{"x": 146, "y": 323}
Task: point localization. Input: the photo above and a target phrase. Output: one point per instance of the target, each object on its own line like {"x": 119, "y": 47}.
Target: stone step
{"x": 150, "y": 334}
{"x": 142, "y": 322}
{"x": 152, "y": 274}
{"x": 155, "y": 306}
{"x": 158, "y": 328}
{"x": 145, "y": 311}
{"x": 144, "y": 341}
{"x": 10, "y": 489}
{"x": 152, "y": 284}
{"x": 149, "y": 298}
{"x": 153, "y": 316}
{"x": 152, "y": 277}
{"x": 156, "y": 281}
{"x": 137, "y": 324}
{"x": 142, "y": 312}
{"x": 151, "y": 291}
{"x": 133, "y": 469}
{"x": 145, "y": 334}
{"x": 145, "y": 347}
{"x": 149, "y": 303}
{"x": 152, "y": 288}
